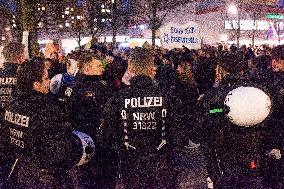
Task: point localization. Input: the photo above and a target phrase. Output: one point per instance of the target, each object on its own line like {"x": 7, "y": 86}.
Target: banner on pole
{"x": 26, "y": 43}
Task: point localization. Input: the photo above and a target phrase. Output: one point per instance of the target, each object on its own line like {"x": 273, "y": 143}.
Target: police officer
{"x": 274, "y": 143}
{"x": 14, "y": 56}
{"x": 136, "y": 123}
{"x": 87, "y": 96}
{"x": 37, "y": 132}
{"x": 235, "y": 117}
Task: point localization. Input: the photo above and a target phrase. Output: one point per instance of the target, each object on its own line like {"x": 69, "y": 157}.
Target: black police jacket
{"x": 137, "y": 121}
{"x": 8, "y": 82}
{"x": 275, "y": 137}
{"x": 88, "y": 95}
{"x": 37, "y": 130}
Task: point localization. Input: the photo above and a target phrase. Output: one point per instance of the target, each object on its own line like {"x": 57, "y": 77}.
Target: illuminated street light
{"x": 72, "y": 9}
{"x": 103, "y": 6}
{"x": 95, "y": 28}
{"x": 112, "y": 1}
{"x": 142, "y": 27}
{"x": 63, "y": 16}
{"x": 108, "y": 10}
{"x": 233, "y": 9}
{"x": 43, "y": 8}
{"x": 7, "y": 29}
{"x": 103, "y": 10}
{"x": 3, "y": 38}
{"x": 14, "y": 25}
{"x": 78, "y": 17}
{"x": 67, "y": 24}
{"x": 72, "y": 17}
{"x": 103, "y": 20}
{"x": 67, "y": 12}
{"x": 61, "y": 26}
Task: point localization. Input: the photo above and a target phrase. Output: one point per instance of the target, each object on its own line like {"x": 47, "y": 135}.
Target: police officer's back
{"x": 136, "y": 124}
{"x": 36, "y": 131}
{"x": 87, "y": 96}
{"x": 14, "y": 56}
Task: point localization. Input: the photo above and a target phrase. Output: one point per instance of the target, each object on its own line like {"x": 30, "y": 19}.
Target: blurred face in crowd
{"x": 109, "y": 59}
{"x": 43, "y": 86}
{"x": 54, "y": 56}
{"x": 21, "y": 58}
{"x": 277, "y": 65}
{"x": 153, "y": 72}
{"x": 94, "y": 67}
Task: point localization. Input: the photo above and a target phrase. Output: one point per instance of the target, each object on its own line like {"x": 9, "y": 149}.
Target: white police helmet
{"x": 249, "y": 106}
{"x": 88, "y": 147}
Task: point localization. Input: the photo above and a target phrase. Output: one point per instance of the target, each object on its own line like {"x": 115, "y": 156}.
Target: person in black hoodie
{"x": 14, "y": 56}
{"x": 37, "y": 132}
{"x": 87, "y": 97}
{"x": 204, "y": 70}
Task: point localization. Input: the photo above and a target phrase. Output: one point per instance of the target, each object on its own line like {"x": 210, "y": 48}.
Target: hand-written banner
{"x": 176, "y": 36}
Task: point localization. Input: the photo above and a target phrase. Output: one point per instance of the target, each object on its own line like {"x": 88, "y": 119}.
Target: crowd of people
{"x": 97, "y": 116}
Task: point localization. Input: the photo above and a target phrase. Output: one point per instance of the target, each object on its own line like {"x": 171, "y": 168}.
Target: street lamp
{"x": 233, "y": 9}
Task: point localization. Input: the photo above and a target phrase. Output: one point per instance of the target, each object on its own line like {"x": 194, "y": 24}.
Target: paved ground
{"x": 192, "y": 168}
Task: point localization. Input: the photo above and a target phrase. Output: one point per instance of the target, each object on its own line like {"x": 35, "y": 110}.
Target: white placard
{"x": 174, "y": 35}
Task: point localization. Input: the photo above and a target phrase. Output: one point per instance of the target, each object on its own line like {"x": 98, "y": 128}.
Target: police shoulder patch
{"x": 68, "y": 91}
